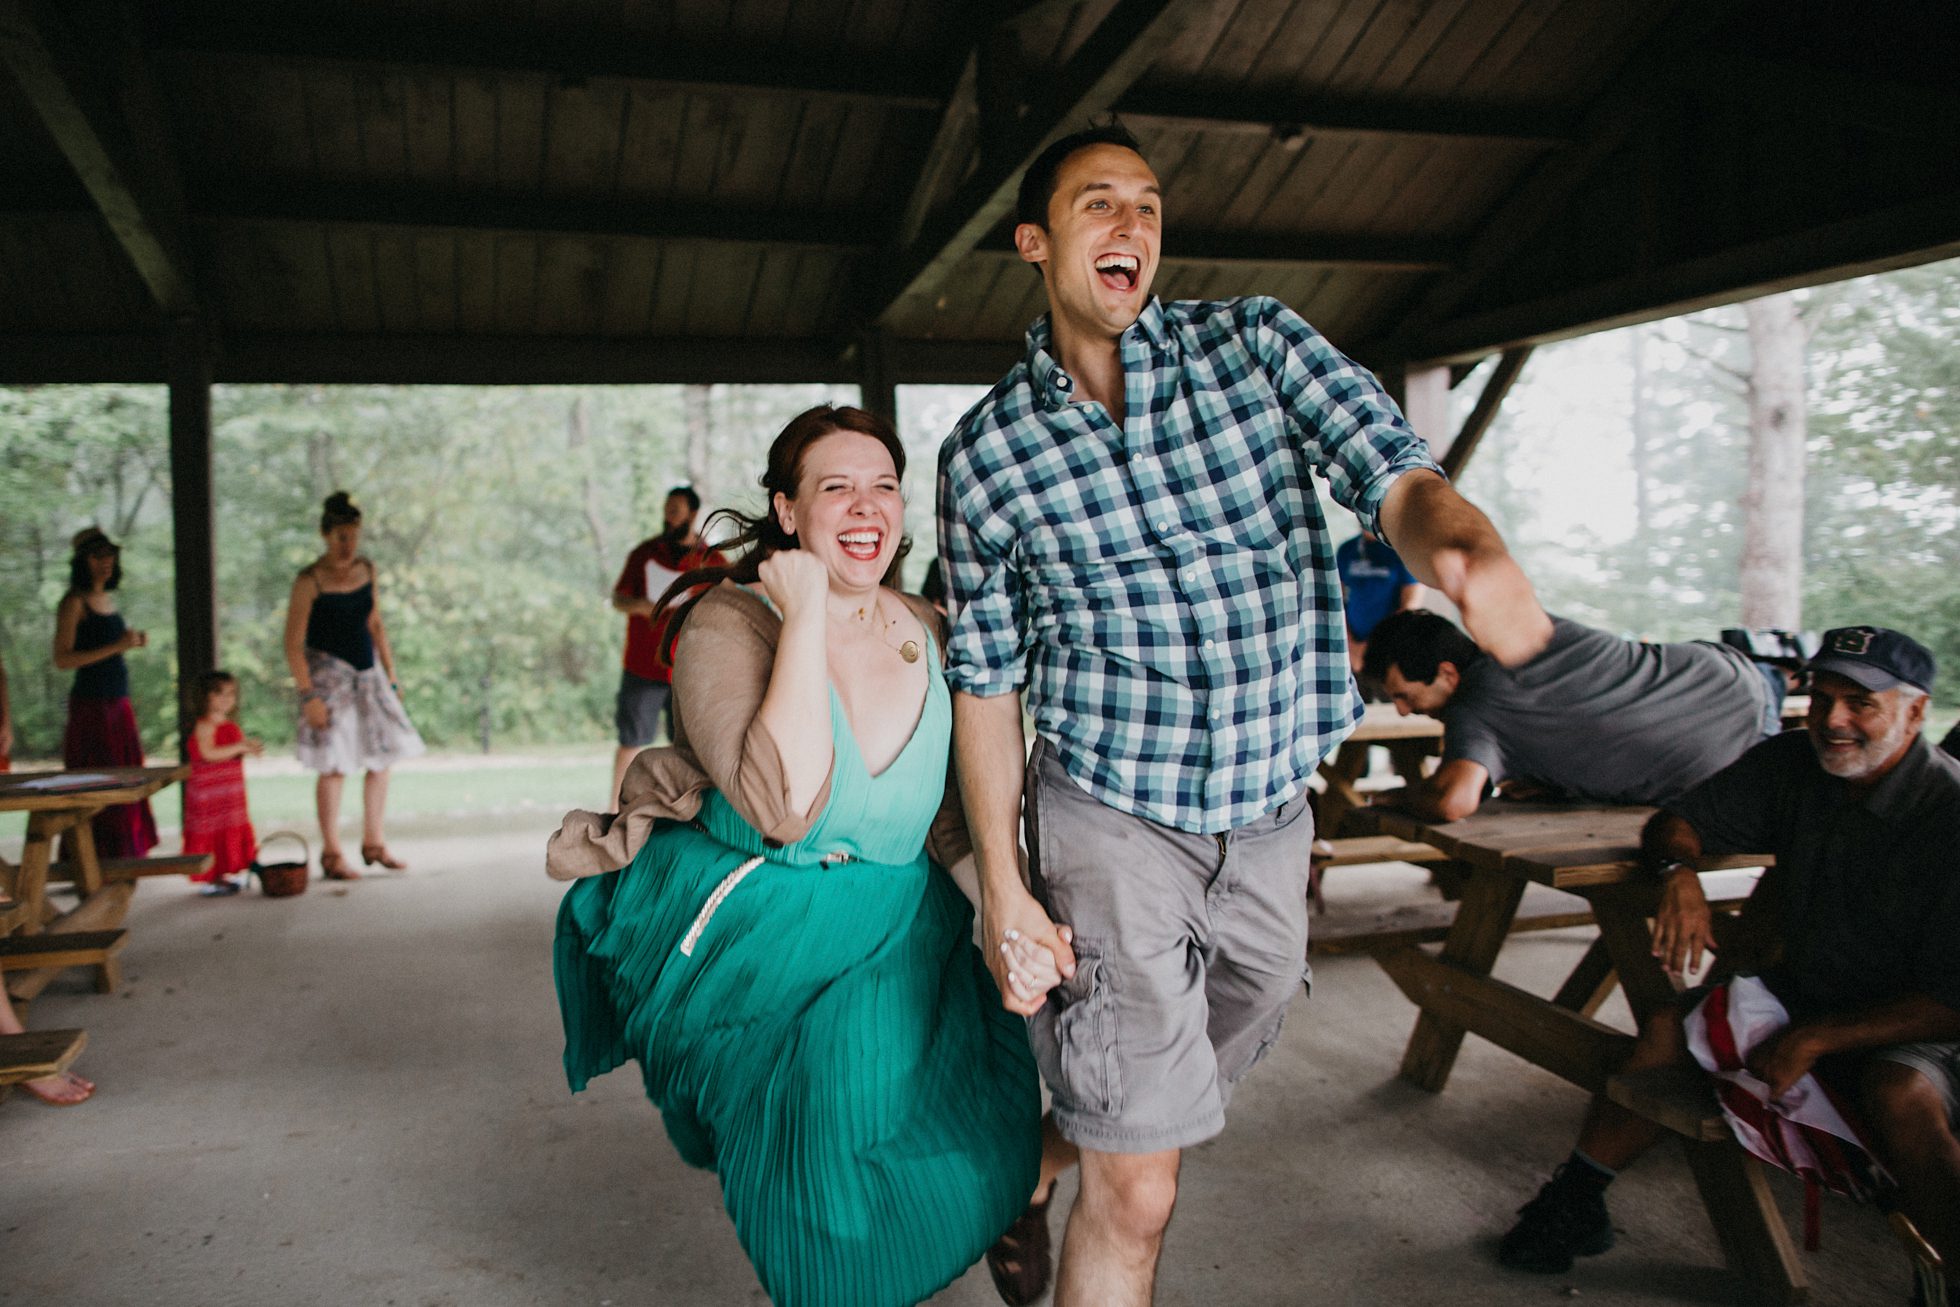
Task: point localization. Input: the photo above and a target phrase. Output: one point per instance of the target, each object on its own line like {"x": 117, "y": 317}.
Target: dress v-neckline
{"x": 925, "y": 705}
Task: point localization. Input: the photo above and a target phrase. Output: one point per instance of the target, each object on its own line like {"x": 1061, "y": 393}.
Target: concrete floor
{"x": 354, "y": 1097}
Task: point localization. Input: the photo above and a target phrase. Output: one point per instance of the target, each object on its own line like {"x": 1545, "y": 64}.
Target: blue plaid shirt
{"x": 1167, "y": 592}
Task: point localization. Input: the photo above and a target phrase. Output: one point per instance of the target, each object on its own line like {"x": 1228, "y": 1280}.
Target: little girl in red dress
{"x": 216, "y": 820}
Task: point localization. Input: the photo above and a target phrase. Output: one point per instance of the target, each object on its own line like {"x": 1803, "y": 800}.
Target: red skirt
{"x": 102, "y": 733}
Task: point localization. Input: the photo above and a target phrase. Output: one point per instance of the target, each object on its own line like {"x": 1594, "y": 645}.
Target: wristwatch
{"x": 1671, "y": 866}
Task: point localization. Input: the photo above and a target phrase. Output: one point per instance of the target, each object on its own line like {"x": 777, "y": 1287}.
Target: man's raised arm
{"x": 1448, "y": 543}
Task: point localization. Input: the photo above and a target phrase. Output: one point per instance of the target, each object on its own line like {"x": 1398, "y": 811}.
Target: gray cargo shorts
{"x": 1939, "y": 1063}
{"x": 1189, "y": 949}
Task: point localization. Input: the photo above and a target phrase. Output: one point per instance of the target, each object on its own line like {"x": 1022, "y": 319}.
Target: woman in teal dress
{"x": 793, "y": 973}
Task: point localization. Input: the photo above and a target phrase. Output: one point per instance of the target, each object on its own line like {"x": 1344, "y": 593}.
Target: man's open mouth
{"x": 1119, "y": 272}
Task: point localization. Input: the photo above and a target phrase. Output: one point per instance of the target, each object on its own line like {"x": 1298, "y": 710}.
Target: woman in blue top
{"x": 351, "y": 715}
{"x": 90, "y": 639}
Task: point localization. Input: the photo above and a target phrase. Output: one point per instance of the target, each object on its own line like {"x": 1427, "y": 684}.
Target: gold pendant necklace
{"x": 909, "y": 651}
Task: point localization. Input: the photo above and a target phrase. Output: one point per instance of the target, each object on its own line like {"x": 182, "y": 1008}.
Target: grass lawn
{"x": 531, "y": 790}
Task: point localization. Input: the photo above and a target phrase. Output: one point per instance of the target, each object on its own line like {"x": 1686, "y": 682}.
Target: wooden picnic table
{"x": 1593, "y": 852}
{"x": 1410, "y": 741}
{"x": 58, "y": 803}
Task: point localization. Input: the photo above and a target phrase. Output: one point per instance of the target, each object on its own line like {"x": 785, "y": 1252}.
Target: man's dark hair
{"x": 1416, "y": 643}
{"x": 1038, "y": 182}
{"x": 687, "y": 493}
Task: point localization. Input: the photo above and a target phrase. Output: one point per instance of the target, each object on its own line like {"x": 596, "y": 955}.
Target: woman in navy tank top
{"x": 351, "y": 716}
{"x": 90, "y": 639}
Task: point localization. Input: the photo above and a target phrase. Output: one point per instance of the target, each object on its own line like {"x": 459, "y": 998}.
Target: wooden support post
{"x": 191, "y": 524}
{"x": 1591, "y": 983}
{"x": 1426, "y": 402}
{"x": 1509, "y": 365}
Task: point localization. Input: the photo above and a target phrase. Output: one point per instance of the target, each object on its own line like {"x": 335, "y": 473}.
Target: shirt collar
{"x": 1053, "y": 384}
{"x": 1894, "y": 795}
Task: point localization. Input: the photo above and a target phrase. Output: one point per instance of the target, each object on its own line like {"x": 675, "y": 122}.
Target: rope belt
{"x": 727, "y": 887}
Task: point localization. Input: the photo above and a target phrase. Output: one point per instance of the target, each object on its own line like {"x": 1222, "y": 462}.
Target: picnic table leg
{"x": 1349, "y": 764}
{"x": 1483, "y": 919}
{"x": 1743, "y": 1211}
{"x": 88, "y": 866}
{"x": 1622, "y": 911}
{"x": 35, "y": 855}
{"x": 1591, "y": 983}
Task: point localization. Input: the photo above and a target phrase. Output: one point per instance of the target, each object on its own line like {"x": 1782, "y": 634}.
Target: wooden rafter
{"x": 377, "y": 207}
{"x": 961, "y": 108}
{"x": 494, "y": 360}
{"x": 1917, "y": 232}
{"x": 1227, "y": 111}
{"x": 1119, "y": 51}
{"x": 48, "y": 70}
{"x": 1540, "y": 199}
{"x": 1509, "y": 366}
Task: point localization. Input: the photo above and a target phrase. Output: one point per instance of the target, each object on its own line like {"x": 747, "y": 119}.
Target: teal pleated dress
{"x": 823, "y": 1035}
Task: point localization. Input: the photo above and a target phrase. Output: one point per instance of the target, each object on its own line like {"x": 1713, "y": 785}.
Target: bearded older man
{"x": 1863, "y": 815}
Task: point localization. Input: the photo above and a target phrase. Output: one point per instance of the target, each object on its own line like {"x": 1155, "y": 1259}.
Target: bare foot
{"x": 63, "y": 1090}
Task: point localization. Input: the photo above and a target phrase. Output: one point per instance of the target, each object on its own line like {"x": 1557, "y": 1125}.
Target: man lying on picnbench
{"x": 1863, "y": 815}
{"x": 1593, "y": 717}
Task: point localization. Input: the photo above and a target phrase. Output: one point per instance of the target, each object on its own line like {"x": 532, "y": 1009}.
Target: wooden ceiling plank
{"x": 1337, "y": 44}
{"x": 774, "y": 281}
{"x": 434, "y": 255}
{"x": 520, "y": 125}
{"x": 1114, "y": 56}
{"x": 540, "y": 55}
{"x": 381, "y": 101}
{"x": 572, "y": 278}
{"x": 394, "y": 282}
{"x": 651, "y": 147}
{"x": 629, "y": 288}
{"x": 47, "y": 68}
{"x": 473, "y": 134}
{"x": 946, "y": 153}
{"x": 476, "y": 282}
{"x": 1442, "y": 67}
{"x": 582, "y": 148}
{"x": 428, "y": 124}
{"x": 517, "y": 285}
{"x": 350, "y": 255}
{"x": 333, "y": 125}
{"x": 1407, "y": 42}
{"x": 1534, "y": 203}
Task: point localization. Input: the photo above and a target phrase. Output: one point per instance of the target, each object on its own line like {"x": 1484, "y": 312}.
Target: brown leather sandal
{"x": 1021, "y": 1261}
{"x": 334, "y": 867}
{"x": 373, "y": 853}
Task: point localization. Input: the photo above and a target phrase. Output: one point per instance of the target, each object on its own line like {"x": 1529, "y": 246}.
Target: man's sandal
{"x": 1020, "y": 1260}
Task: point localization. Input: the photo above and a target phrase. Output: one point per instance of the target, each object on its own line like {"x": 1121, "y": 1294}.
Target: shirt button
{"x": 1163, "y": 526}
{"x": 1216, "y": 713}
{"x": 1209, "y": 643}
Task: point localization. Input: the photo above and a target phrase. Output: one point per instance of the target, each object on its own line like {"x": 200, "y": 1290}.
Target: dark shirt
{"x": 1952, "y": 741}
{"x": 1606, "y": 719}
{"x": 1867, "y": 887}
{"x": 338, "y": 625}
{"x": 108, "y": 679}
{"x": 1373, "y": 577}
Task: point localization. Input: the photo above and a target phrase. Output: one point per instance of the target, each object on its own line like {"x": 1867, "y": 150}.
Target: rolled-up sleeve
{"x": 988, "y": 639}
{"x": 1336, "y": 409}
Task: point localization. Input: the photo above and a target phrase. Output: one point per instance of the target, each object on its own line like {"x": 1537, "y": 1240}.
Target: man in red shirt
{"x": 646, "y": 682}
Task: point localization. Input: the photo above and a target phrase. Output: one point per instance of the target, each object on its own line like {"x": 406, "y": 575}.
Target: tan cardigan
{"x": 721, "y": 670}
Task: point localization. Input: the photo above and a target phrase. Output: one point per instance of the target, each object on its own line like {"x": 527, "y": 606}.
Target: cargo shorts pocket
{"x": 1075, "y": 1038}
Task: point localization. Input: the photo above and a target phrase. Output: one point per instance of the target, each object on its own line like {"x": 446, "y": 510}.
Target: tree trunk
{"x": 578, "y": 434}
{"x": 700, "y": 430}
{"x": 1772, "y": 505}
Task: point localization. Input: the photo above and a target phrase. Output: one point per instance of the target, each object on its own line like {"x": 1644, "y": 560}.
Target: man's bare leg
{"x": 1116, "y": 1230}
{"x": 1917, "y": 1145}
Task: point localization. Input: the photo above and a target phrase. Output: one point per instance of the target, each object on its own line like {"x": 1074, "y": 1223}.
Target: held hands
{"x": 796, "y": 582}
{"x": 1027, "y": 953}
{"x": 1684, "y": 926}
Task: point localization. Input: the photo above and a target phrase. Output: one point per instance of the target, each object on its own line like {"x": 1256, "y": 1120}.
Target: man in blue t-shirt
{"x": 1374, "y": 583}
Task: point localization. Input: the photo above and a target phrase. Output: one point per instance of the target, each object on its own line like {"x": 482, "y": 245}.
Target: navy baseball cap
{"x": 1875, "y": 658}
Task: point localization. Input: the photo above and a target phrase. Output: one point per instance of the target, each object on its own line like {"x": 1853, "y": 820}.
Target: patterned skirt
{"x": 367, "y": 728}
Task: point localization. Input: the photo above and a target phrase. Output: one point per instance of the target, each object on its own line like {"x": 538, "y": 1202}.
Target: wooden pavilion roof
{"x": 671, "y": 190}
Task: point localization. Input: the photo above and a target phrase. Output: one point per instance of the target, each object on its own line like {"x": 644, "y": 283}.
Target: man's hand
{"x": 1019, "y": 915}
{"x": 1784, "y": 1058}
{"x": 1684, "y": 926}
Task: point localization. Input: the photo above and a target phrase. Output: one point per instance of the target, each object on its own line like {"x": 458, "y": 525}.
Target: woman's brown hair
{"x": 757, "y": 537}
